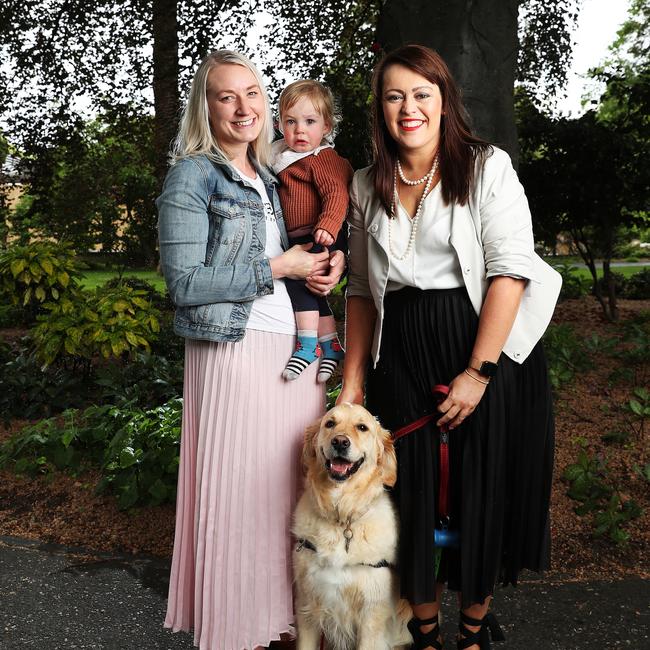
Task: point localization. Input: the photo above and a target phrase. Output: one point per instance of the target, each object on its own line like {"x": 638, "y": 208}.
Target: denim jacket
{"x": 212, "y": 234}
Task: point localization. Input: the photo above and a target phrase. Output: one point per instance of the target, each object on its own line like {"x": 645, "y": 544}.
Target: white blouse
{"x": 432, "y": 263}
{"x": 273, "y": 312}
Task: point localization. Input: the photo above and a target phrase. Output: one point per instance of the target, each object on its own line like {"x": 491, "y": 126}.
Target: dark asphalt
{"x": 56, "y": 598}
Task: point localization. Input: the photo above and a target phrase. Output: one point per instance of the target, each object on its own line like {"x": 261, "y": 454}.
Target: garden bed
{"x": 60, "y": 508}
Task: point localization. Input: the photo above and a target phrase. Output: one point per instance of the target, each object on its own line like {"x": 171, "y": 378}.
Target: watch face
{"x": 488, "y": 369}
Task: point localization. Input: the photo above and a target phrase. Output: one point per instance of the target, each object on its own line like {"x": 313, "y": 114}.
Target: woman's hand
{"x": 297, "y": 263}
{"x": 464, "y": 395}
{"x": 326, "y": 274}
{"x": 350, "y": 395}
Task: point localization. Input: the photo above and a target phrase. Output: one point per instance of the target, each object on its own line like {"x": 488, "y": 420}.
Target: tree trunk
{"x": 478, "y": 41}
{"x": 165, "y": 81}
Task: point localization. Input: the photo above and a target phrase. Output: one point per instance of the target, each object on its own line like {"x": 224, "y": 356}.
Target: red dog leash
{"x": 440, "y": 393}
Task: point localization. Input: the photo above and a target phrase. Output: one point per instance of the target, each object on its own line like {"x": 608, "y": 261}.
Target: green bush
{"x": 13, "y": 316}
{"x": 38, "y": 273}
{"x": 145, "y": 380}
{"x": 109, "y": 322}
{"x": 71, "y": 441}
{"x": 160, "y": 301}
{"x": 620, "y": 284}
{"x": 574, "y": 285}
{"x": 589, "y": 484}
{"x": 29, "y": 391}
{"x": 637, "y": 286}
{"x": 137, "y": 449}
{"x": 141, "y": 461}
{"x": 565, "y": 352}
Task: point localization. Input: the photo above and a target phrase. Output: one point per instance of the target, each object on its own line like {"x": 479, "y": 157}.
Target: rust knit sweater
{"x": 314, "y": 192}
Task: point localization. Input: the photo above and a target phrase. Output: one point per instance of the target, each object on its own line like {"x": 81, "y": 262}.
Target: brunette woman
{"x": 445, "y": 288}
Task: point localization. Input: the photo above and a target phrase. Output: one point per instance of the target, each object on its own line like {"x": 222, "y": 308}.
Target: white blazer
{"x": 491, "y": 235}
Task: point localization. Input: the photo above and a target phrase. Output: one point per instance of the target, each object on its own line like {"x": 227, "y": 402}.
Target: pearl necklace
{"x": 416, "y": 217}
{"x": 405, "y": 180}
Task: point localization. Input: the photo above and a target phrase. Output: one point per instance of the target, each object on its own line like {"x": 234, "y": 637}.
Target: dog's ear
{"x": 309, "y": 445}
{"x": 387, "y": 460}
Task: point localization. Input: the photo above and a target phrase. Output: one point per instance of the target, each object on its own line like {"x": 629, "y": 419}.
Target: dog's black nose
{"x": 340, "y": 443}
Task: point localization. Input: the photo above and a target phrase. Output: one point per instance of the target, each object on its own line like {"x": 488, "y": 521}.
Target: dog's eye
{"x": 362, "y": 427}
{"x": 330, "y": 423}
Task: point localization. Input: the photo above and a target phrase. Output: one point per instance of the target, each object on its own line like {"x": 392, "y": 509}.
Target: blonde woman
{"x": 225, "y": 257}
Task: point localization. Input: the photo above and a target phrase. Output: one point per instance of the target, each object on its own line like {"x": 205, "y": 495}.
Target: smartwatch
{"x": 485, "y": 368}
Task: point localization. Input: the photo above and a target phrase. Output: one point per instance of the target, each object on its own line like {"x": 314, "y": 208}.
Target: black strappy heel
{"x": 482, "y": 637}
{"x": 422, "y": 639}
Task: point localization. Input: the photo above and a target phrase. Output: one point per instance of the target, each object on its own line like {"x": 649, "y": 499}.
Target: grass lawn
{"x": 627, "y": 271}
{"x": 92, "y": 279}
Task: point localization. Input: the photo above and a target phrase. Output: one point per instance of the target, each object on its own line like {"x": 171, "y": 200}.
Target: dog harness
{"x": 305, "y": 543}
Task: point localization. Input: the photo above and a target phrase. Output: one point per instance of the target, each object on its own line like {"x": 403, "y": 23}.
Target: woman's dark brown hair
{"x": 458, "y": 148}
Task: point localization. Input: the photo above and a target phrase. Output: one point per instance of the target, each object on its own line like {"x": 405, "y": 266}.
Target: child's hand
{"x": 323, "y": 237}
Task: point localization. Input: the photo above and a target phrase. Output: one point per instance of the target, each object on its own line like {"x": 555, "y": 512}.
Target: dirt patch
{"x": 63, "y": 509}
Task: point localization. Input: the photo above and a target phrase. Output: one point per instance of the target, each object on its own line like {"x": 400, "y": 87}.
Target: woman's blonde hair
{"x": 194, "y": 133}
{"x": 321, "y": 97}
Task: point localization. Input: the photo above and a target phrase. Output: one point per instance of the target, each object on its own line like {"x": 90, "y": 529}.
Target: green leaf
{"x": 46, "y": 265}
{"x": 64, "y": 279}
{"x": 572, "y": 472}
{"x": 642, "y": 394}
{"x": 120, "y": 305}
{"x": 17, "y": 266}
{"x": 40, "y": 294}
{"x": 127, "y": 457}
{"x": 635, "y": 407}
{"x": 67, "y": 437}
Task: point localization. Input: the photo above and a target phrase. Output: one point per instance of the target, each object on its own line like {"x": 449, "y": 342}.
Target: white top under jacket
{"x": 273, "y": 312}
{"x": 491, "y": 235}
{"x": 431, "y": 264}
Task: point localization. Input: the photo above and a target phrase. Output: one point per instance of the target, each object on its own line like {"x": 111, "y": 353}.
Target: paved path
{"x": 55, "y": 598}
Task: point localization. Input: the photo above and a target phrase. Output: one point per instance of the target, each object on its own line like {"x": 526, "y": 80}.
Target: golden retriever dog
{"x": 346, "y": 530}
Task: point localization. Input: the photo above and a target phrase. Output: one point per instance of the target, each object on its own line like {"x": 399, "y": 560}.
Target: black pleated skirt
{"x": 501, "y": 457}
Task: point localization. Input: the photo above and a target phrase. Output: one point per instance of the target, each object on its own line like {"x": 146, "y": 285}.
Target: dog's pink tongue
{"x": 340, "y": 467}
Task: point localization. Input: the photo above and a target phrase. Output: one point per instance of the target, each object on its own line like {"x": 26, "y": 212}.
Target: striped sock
{"x": 332, "y": 354}
{"x": 307, "y": 351}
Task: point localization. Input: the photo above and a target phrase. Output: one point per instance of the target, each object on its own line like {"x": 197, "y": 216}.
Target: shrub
{"x": 109, "y": 322}
{"x": 29, "y": 391}
{"x": 565, "y": 353}
{"x": 68, "y": 442}
{"x": 637, "y": 286}
{"x": 141, "y": 461}
{"x": 38, "y": 273}
{"x": 160, "y": 301}
{"x": 574, "y": 285}
{"x": 589, "y": 484}
{"x": 13, "y": 315}
{"x": 620, "y": 284}
{"x": 146, "y": 380}
{"x": 137, "y": 449}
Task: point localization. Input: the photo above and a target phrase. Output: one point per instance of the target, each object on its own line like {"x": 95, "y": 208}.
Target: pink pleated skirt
{"x": 238, "y": 481}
